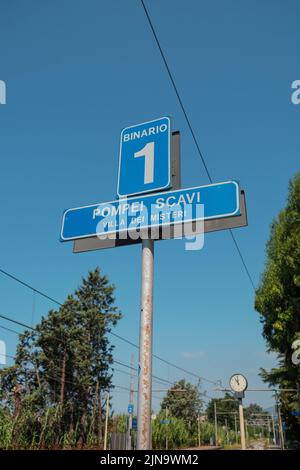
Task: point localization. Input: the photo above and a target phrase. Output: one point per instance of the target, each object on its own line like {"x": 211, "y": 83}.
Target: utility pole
{"x": 144, "y": 438}
{"x": 246, "y": 428}
{"x": 167, "y": 428}
{"x": 226, "y": 427}
{"x": 216, "y": 423}
{"x": 273, "y": 429}
{"x": 199, "y": 431}
{"x": 235, "y": 428}
{"x": 269, "y": 429}
{"x": 106, "y": 421}
{"x": 280, "y": 430}
{"x": 131, "y": 391}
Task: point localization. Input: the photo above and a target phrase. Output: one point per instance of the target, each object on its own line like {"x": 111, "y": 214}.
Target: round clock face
{"x": 238, "y": 383}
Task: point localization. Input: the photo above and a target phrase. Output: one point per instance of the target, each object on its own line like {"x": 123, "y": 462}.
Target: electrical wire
{"x": 29, "y": 286}
{"x": 191, "y": 129}
{"x": 156, "y": 378}
{"x": 58, "y": 379}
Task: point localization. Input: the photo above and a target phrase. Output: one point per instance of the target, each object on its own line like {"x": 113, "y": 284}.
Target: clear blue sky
{"x": 77, "y": 72}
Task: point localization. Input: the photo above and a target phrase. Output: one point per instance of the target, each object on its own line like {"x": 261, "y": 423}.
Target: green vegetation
{"x": 177, "y": 425}
{"x": 175, "y": 433}
{"x": 183, "y": 401}
{"x": 53, "y": 396}
{"x": 278, "y": 302}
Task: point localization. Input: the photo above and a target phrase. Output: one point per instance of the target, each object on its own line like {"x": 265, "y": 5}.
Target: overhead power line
{"x": 58, "y": 379}
{"x": 29, "y": 286}
{"x": 176, "y": 90}
{"x": 9, "y": 329}
{"x": 43, "y": 294}
{"x": 163, "y": 56}
{"x": 115, "y": 361}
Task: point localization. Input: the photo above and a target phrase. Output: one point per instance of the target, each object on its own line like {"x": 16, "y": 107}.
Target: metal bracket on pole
{"x": 144, "y": 437}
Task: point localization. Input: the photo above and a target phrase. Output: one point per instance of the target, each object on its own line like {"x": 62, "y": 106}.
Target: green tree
{"x": 175, "y": 432}
{"x": 226, "y": 406}
{"x": 252, "y": 410}
{"x": 278, "y": 302}
{"x": 62, "y": 369}
{"x": 183, "y": 401}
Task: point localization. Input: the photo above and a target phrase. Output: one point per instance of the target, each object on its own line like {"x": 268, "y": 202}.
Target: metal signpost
{"x": 238, "y": 384}
{"x": 130, "y": 409}
{"x": 151, "y": 206}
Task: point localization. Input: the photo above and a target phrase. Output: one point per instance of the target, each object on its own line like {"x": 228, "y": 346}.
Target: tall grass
{"x": 29, "y": 430}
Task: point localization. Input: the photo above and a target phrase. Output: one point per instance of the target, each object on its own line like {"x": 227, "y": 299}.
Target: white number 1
{"x": 148, "y": 153}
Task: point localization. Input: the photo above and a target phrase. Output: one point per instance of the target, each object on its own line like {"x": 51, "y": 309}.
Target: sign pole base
{"x": 144, "y": 437}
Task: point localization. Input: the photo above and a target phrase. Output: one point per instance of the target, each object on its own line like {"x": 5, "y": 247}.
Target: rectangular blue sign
{"x": 144, "y": 160}
{"x": 153, "y": 210}
{"x": 130, "y": 408}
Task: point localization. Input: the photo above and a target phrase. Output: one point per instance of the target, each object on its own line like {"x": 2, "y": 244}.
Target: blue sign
{"x": 144, "y": 160}
{"x": 296, "y": 413}
{"x": 134, "y": 423}
{"x": 156, "y": 210}
{"x": 130, "y": 409}
{"x": 165, "y": 421}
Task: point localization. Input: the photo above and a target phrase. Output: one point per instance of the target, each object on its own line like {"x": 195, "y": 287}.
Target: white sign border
{"x": 169, "y": 158}
{"x": 64, "y": 239}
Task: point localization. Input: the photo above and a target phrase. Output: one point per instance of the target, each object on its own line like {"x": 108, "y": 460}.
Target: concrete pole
{"x": 235, "y": 429}
{"x": 131, "y": 390}
{"x": 166, "y": 427}
{"x": 199, "y": 432}
{"x": 269, "y": 429}
{"x": 226, "y": 427}
{"x": 144, "y": 437}
{"x": 106, "y": 422}
{"x": 216, "y": 424}
{"x": 281, "y": 436}
{"x": 274, "y": 432}
{"x": 242, "y": 425}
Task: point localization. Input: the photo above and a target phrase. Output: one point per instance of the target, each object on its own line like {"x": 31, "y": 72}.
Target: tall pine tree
{"x": 63, "y": 369}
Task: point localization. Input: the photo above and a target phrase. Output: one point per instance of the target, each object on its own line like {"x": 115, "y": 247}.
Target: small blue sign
{"x": 130, "y": 408}
{"x": 134, "y": 423}
{"x": 144, "y": 160}
{"x": 155, "y": 210}
{"x": 165, "y": 421}
{"x": 296, "y": 413}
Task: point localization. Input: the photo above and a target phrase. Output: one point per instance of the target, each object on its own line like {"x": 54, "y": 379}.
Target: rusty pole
{"x": 144, "y": 437}
{"x": 131, "y": 391}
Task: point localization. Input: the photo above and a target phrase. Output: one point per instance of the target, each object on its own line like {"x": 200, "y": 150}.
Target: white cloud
{"x": 193, "y": 354}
